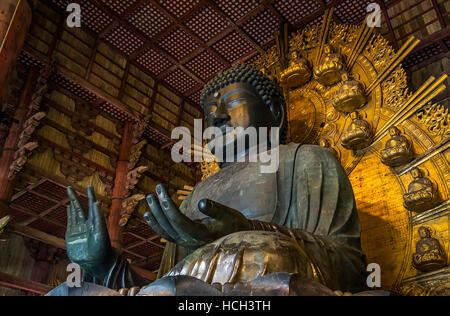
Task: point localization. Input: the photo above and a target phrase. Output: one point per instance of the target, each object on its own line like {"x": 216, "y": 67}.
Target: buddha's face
{"x": 424, "y": 232}
{"x": 240, "y": 105}
{"x": 415, "y": 173}
{"x": 394, "y": 131}
{"x": 354, "y": 116}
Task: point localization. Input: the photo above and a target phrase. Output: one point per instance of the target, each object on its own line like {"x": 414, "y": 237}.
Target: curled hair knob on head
{"x": 269, "y": 91}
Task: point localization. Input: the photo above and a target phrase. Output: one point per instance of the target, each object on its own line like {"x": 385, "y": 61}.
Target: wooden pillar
{"x": 10, "y": 146}
{"x": 43, "y": 261}
{"x": 15, "y": 20}
{"x": 115, "y": 231}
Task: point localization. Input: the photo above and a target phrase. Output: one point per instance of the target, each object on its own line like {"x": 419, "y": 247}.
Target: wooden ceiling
{"x": 185, "y": 43}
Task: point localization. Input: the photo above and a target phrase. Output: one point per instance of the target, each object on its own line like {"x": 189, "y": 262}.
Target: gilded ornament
{"x": 350, "y": 96}
{"x": 298, "y": 73}
{"x": 422, "y": 193}
{"x": 436, "y": 119}
{"x": 328, "y": 72}
{"x": 398, "y": 150}
{"x": 429, "y": 254}
{"x": 358, "y": 135}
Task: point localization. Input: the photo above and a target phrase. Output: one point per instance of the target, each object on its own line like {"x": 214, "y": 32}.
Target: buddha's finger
{"x": 76, "y": 205}
{"x": 69, "y": 219}
{"x": 185, "y": 227}
{"x": 160, "y": 216}
{"x": 214, "y": 209}
{"x": 91, "y": 198}
{"x": 97, "y": 218}
{"x": 153, "y": 223}
{"x": 74, "y": 218}
{"x": 161, "y": 192}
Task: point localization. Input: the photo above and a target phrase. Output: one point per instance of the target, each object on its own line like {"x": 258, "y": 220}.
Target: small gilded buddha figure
{"x": 398, "y": 150}
{"x": 429, "y": 254}
{"x": 350, "y": 96}
{"x": 358, "y": 135}
{"x": 422, "y": 194}
{"x": 328, "y": 72}
{"x": 294, "y": 231}
{"x": 298, "y": 73}
{"x": 324, "y": 143}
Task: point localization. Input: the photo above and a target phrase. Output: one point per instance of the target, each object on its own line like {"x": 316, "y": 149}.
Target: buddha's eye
{"x": 236, "y": 102}
{"x": 211, "y": 110}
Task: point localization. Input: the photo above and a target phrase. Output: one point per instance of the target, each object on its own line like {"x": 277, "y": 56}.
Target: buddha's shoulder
{"x": 296, "y": 149}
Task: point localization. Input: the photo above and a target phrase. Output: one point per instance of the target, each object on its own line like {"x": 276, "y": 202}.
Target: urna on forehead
{"x": 247, "y": 77}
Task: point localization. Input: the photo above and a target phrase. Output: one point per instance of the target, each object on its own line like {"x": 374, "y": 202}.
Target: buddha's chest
{"x": 241, "y": 186}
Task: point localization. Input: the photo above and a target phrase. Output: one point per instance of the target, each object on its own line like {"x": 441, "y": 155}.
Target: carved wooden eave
{"x": 128, "y": 207}
{"x": 82, "y": 114}
{"x": 133, "y": 178}
{"x": 136, "y": 153}
{"x": 72, "y": 167}
{"x": 108, "y": 182}
{"x": 24, "y": 147}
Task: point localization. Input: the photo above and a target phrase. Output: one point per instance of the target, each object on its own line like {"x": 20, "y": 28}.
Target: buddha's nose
{"x": 221, "y": 120}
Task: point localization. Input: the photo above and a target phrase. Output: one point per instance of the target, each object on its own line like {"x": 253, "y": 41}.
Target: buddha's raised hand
{"x": 87, "y": 240}
{"x": 167, "y": 221}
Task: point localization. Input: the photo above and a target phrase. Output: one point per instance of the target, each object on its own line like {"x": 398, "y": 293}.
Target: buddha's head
{"x": 345, "y": 76}
{"x": 327, "y": 49}
{"x": 354, "y": 115}
{"x": 416, "y": 174}
{"x": 394, "y": 131}
{"x": 243, "y": 97}
{"x": 424, "y": 232}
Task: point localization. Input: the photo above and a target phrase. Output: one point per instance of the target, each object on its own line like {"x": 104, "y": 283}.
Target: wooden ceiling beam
{"x": 271, "y": 8}
{"x": 388, "y": 23}
{"x": 179, "y": 23}
{"x": 17, "y": 283}
{"x": 236, "y": 26}
{"x": 134, "y": 30}
{"x": 29, "y": 213}
{"x": 438, "y": 13}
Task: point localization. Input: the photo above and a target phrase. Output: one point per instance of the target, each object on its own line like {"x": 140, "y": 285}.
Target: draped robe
{"x": 309, "y": 201}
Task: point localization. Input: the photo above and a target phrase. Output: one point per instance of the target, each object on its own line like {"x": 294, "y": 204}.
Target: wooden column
{"x": 115, "y": 231}
{"x": 10, "y": 147}
{"x": 15, "y": 20}
{"x": 43, "y": 257}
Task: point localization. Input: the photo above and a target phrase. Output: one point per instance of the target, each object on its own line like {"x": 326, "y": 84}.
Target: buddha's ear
{"x": 275, "y": 108}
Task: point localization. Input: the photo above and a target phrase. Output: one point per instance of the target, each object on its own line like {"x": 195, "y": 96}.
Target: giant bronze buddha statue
{"x": 241, "y": 232}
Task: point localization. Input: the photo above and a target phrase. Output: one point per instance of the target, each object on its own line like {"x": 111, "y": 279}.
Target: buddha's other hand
{"x": 87, "y": 240}
{"x": 167, "y": 220}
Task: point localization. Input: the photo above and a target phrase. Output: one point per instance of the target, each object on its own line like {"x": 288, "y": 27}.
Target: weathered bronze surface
{"x": 240, "y": 224}
{"x": 388, "y": 235}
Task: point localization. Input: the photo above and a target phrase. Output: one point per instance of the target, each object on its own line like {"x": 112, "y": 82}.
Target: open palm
{"x": 87, "y": 240}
